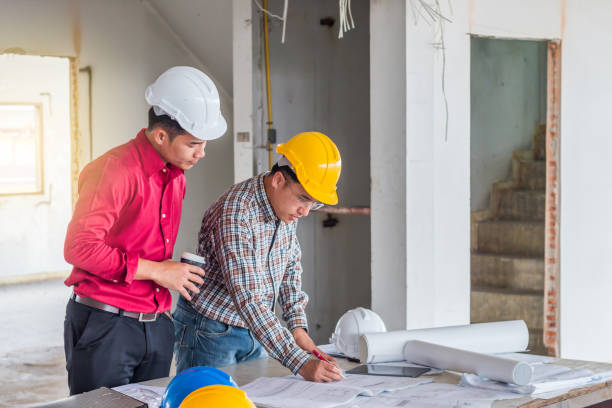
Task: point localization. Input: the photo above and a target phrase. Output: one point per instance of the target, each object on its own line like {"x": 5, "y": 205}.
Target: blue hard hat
{"x": 190, "y": 380}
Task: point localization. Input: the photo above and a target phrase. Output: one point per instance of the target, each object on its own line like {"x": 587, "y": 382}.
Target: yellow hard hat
{"x": 316, "y": 162}
{"x": 217, "y": 396}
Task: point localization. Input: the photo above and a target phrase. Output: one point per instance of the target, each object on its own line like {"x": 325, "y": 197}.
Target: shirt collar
{"x": 152, "y": 162}
{"x": 262, "y": 198}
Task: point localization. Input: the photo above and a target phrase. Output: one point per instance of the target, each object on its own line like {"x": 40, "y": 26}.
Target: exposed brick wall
{"x": 552, "y": 270}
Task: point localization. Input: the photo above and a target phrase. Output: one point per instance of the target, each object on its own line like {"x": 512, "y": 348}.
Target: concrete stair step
{"x": 532, "y": 174}
{"x": 507, "y": 272}
{"x": 523, "y": 238}
{"x": 539, "y": 142}
{"x": 515, "y": 204}
{"x": 493, "y": 304}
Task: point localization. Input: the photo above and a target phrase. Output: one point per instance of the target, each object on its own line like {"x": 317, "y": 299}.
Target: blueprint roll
{"x": 488, "y": 338}
{"x": 454, "y": 359}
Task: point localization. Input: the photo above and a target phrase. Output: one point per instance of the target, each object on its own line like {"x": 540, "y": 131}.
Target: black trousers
{"x": 104, "y": 349}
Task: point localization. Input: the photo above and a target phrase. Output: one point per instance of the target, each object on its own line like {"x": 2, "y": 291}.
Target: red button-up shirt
{"x": 129, "y": 207}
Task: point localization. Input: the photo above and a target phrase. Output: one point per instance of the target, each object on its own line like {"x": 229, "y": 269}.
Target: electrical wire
{"x": 264, "y": 9}
{"x": 443, "y": 79}
{"x": 344, "y": 7}
{"x": 432, "y": 14}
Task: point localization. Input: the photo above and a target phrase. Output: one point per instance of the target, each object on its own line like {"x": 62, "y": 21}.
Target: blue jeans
{"x": 201, "y": 341}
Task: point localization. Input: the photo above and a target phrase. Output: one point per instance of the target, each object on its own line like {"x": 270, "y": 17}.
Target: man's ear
{"x": 159, "y": 135}
{"x": 278, "y": 179}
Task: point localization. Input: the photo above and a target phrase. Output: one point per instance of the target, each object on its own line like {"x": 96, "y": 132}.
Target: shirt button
{"x": 167, "y": 240}
{"x": 114, "y": 281}
{"x": 157, "y": 289}
{"x": 163, "y": 215}
{"x": 164, "y": 169}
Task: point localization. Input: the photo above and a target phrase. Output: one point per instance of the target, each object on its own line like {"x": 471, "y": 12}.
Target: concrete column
{"x": 243, "y": 89}
{"x": 388, "y": 159}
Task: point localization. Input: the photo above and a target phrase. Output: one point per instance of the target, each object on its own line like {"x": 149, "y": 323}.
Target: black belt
{"x": 96, "y": 304}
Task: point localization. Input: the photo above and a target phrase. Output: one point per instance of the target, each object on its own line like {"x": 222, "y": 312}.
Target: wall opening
{"x": 20, "y": 149}
{"x": 508, "y": 88}
{"x": 35, "y": 186}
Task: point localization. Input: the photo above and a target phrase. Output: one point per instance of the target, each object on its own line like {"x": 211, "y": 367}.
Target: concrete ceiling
{"x": 206, "y": 28}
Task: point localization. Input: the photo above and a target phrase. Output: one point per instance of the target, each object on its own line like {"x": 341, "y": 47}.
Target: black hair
{"x": 168, "y": 124}
{"x": 287, "y": 172}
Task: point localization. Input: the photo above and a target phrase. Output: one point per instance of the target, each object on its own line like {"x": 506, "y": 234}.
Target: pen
{"x": 320, "y": 357}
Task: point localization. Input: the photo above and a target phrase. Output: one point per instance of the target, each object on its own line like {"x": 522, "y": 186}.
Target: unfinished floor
{"x": 32, "y": 366}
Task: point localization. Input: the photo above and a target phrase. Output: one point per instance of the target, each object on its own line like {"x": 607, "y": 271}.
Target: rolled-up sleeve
{"x": 236, "y": 254}
{"x": 102, "y": 195}
{"x": 290, "y": 295}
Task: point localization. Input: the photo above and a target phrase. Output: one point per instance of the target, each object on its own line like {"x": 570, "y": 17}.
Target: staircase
{"x": 507, "y": 261}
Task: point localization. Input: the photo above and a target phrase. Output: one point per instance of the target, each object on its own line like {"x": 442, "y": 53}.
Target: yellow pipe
{"x": 267, "y": 51}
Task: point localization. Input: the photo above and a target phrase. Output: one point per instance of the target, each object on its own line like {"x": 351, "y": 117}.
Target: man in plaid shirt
{"x": 248, "y": 239}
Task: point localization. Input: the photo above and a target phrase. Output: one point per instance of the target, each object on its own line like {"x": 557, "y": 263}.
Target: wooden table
{"x": 244, "y": 373}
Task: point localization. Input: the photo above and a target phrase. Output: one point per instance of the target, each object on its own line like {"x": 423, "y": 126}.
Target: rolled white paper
{"x": 485, "y": 365}
{"x": 494, "y": 337}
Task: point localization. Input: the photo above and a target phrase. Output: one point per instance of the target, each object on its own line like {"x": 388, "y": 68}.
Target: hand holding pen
{"x": 320, "y": 357}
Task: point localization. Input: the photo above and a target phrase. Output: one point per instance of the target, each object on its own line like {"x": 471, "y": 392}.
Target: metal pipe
{"x": 344, "y": 210}
{"x": 270, "y": 122}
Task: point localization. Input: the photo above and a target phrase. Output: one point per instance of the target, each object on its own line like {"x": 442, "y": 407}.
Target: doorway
{"x": 35, "y": 188}
{"x": 510, "y": 134}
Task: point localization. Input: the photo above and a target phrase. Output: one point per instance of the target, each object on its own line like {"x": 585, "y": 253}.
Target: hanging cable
{"x": 264, "y": 10}
{"x": 432, "y": 14}
{"x": 345, "y": 13}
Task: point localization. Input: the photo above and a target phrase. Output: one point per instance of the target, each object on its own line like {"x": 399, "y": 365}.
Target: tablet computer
{"x": 394, "y": 371}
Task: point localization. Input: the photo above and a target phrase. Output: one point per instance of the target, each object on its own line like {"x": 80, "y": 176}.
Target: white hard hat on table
{"x": 191, "y": 98}
{"x": 353, "y": 324}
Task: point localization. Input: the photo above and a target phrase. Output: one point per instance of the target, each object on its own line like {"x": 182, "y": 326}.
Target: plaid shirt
{"x": 251, "y": 255}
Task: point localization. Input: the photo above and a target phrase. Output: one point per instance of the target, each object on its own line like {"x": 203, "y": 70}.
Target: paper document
{"x": 433, "y": 395}
{"x": 329, "y": 349}
{"x": 295, "y": 392}
{"x": 150, "y": 395}
{"x": 563, "y": 380}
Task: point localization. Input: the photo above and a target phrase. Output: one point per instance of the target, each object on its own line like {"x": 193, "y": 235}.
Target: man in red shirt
{"x": 120, "y": 239}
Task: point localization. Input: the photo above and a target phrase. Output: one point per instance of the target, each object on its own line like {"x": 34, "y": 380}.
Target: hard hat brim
{"x": 215, "y": 132}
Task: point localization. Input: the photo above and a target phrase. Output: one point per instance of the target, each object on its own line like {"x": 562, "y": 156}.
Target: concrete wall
{"x": 438, "y": 276}
{"x": 32, "y": 224}
{"x": 423, "y": 205}
{"x": 586, "y": 198}
{"x": 320, "y": 82}
{"x": 128, "y": 46}
{"x": 508, "y": 98}
{"x": 388, "y": 161}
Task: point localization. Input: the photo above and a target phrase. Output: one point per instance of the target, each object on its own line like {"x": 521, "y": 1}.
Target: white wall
{"x": 586, "y": 197}
{"x": 320, "y": 82}
{"x": 127, "y": 46}
{"x": 29, "y": 237}
{"x": 438, "y": 198}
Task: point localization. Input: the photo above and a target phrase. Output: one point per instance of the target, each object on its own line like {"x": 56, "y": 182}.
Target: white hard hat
{"x": 191, "y": 98}
{"x": 353, "y": 324}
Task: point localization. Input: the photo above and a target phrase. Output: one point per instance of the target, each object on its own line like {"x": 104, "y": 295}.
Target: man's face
{"x": 289, "y": 199}
{"x": 183, "y": 151}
